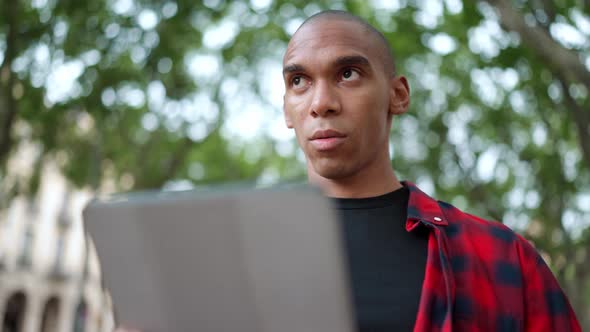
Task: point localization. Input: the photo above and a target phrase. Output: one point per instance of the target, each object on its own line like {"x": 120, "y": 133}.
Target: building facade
{"x": 49, "y": 274}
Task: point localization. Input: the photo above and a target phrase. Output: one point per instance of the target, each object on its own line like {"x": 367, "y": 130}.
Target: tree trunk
{"x": 8, "y": 108}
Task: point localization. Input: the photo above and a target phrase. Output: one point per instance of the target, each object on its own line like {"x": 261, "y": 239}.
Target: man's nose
{"x": 325, "y": 100}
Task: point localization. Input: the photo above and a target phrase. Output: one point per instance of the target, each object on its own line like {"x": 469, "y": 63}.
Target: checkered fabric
{"x": 481, "y": 276}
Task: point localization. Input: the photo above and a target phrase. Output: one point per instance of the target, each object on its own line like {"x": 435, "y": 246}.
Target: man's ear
{"x": 288, "y": 120}
{"x": 399, "y": 95}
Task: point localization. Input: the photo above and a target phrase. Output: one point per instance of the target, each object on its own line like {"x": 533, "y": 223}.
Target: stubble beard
{"x": 335, "y": 168}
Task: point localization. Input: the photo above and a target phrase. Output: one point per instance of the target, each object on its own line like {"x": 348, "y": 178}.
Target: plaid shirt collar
{"x": 422, "y": 208}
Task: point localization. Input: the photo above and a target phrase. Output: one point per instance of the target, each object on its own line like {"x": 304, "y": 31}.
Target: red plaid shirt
{"x": 481, "y": 276}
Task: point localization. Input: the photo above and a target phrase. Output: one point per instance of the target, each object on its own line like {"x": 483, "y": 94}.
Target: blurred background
{"x": 118, "y": 95}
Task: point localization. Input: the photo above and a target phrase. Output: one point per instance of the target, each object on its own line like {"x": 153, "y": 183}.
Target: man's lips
{"x": 325, "y": 140}
{"x": 329, "y": 133}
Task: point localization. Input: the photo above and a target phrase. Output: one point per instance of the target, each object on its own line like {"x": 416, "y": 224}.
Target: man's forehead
{"x": 327, "y": 32}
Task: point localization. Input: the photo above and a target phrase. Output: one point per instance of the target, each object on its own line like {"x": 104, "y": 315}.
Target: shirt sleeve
{"x": 546, "y": 306}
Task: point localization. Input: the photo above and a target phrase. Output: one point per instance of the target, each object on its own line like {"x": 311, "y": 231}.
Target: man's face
{"x": 338, "y": 97}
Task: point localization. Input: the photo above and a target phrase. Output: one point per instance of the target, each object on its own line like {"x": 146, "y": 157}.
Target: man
{"x": 415, "y": 263}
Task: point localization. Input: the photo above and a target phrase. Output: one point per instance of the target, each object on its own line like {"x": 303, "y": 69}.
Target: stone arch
{"x": 14, "y": 312}
{"x": 50, "y": 319}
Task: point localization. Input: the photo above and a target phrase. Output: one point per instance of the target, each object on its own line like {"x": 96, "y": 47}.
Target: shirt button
{"x": 437, "y": 219}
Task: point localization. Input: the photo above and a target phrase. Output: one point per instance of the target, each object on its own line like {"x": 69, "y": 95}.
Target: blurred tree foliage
{"x": 134, "y": 94}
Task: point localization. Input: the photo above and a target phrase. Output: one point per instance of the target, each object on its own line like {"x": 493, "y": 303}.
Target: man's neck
{"x": 370, "y": 183}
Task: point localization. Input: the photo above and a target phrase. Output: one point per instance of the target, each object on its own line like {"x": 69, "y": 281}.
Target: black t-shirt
{"x": 386, "y": 262}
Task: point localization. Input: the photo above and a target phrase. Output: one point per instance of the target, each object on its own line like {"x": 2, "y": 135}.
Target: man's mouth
{"x": 326, "y": 140}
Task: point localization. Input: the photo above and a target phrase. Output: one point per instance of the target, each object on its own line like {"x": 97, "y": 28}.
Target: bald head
{"x": 380, "y": 42}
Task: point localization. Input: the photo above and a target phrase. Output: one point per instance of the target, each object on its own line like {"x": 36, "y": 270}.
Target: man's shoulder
{"x": 484, "y": 253}
{"x": 489, "y": 243}
{"x": 477, "y": 230}
{"x": 459, "y": 226}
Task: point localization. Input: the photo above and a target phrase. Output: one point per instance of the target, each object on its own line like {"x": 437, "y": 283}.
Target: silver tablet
{"x": 243, "y": 260}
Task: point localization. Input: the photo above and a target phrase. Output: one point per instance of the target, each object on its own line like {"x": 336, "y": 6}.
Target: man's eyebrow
{"x": 292, "y": 68}
{"x": 352, "y": 60}
{"x": 347, "y": 60}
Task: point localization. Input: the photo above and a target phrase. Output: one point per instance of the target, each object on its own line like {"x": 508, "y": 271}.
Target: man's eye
{"x": 349, "y": 75}
{"x": 297, "y": 81}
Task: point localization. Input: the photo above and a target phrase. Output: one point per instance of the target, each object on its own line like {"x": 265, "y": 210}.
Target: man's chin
{"x": 332, "y": 170}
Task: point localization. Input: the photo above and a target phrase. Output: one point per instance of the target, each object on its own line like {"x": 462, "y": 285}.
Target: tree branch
{"x": 173, "y": 164}
{"x": 548, "y": 8}
{"x": 558, "y": 57}
{"x": 581, "y": 119}
{"x": 561, "y": 200}
{"x": 565, "y": 63}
